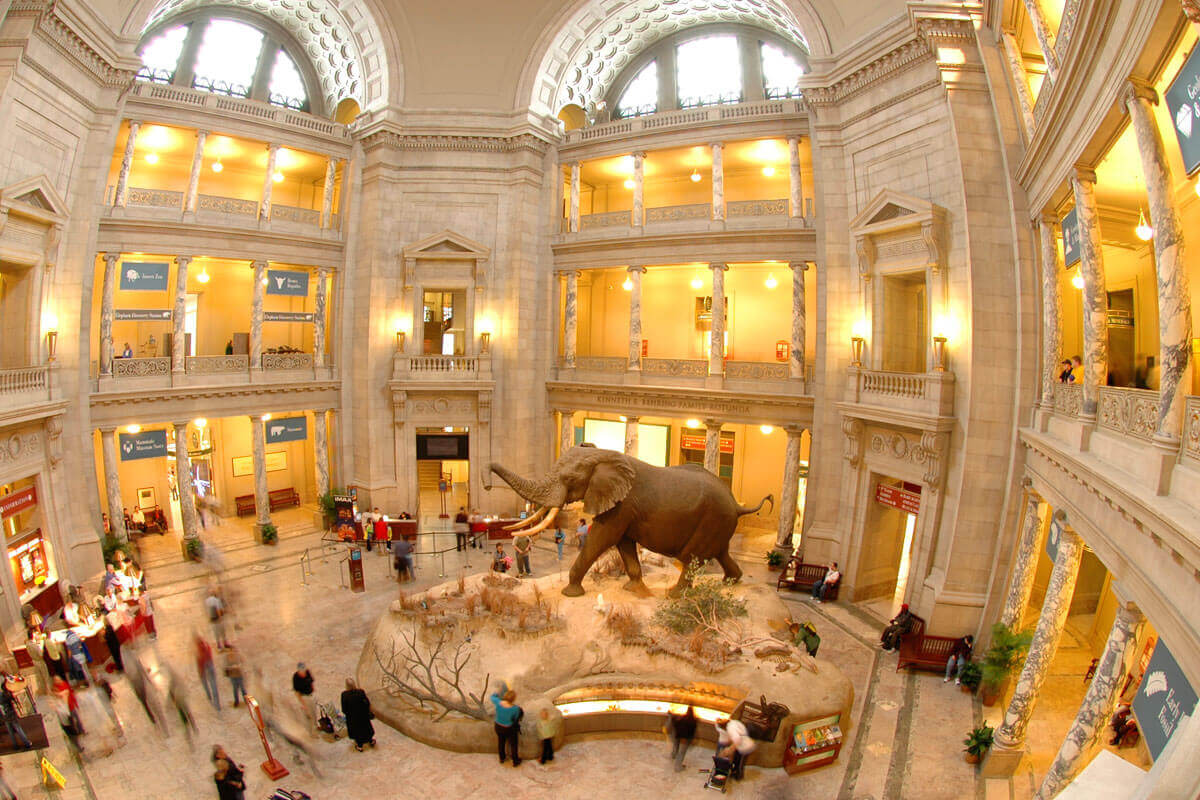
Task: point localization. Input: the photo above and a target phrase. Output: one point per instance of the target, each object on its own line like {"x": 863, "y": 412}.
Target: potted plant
{"x": 328, "y": 511}
{"x": 977, "y": 743}
{"x": 193, "y": 549}
{"x": 268, "y": 534}
{"x": 1003, "y": 656}
{"x": 970, "y": 676}
{"x": 774, "y": 559}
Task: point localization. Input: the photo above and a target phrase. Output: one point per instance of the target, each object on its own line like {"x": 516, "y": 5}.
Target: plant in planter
{"x": 970, "y": 676}
{"x": 774, "y": 559}
{"x": 194, "y": 549}
{"x": 269, "y": 534}
{"x": 328, "y": 511}
{"x": 977, "y": 743}
{"x": 1003, "y": 656}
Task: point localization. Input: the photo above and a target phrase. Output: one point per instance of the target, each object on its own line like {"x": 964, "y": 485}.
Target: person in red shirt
{"x": 382, "y": 531}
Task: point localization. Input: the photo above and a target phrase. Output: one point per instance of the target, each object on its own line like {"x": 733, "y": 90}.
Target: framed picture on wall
{"x": 147, "y": 498}
{"x": 244, "y": 465}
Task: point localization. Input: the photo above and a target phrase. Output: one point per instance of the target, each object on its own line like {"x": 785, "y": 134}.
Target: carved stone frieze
{"x": 15, "y": 447}
{"x": 928, "y": 451}
{"x": 908, "y": 55}
{"x": 456, "y": 144}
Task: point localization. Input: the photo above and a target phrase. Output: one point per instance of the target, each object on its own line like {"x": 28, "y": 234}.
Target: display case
{"x": 814, "y": 743}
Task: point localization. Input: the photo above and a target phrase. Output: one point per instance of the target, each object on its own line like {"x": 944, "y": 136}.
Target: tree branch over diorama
{"x": 432, "y": 674}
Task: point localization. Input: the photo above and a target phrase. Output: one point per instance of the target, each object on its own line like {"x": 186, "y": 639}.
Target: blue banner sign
{"x": 1053, "y": 537}
{"x": 1164, "y": 697}
{"x": 1070, "y": 234}
{"x": 143, "y": 314}
{"x": 144, "y": 276}
{"x": 281, "y": 281}
{"x": 1183, "y": 101}
{"x": 288, "y": 429}
{"x": 146, "y": 444}
{"x": 287, "y": 316}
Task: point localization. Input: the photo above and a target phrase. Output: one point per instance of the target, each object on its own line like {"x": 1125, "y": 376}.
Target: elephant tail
{"x": 744, "y": 510}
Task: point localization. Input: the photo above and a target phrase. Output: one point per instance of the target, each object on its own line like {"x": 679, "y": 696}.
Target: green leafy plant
{"x": 270, "y": 534}
{"x": 109, "y": 546}
{"x": 194, "y": 549}
{"x": 328, "y": 510}
{"x": 971, "y": 675}
{"x": 978, "y": 740}
{"x": 774, "y": 558}
{"x": 704, "y": 604}
{"x": 1005, "y": 653}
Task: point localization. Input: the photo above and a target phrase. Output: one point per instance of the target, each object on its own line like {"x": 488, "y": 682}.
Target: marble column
{"x": 1016, "y": 69}
{"x": 1051, "y": 310}
{"x": 319, "y": 317}
{"x": 179, "y": 316}
{"x": 256, "y": 314}
{"x": 1174, "y": 297}
{"x": 712, "y": 445}
{"x": 112, "y": 485}
{"x": 716, "y": 345}
{"x": 1010, "y": 735}
{"x": 107, "y": 313}
{"x": 121, "y": 194}
{"x": 327, "y": 197}
{"x": 631, "y": 436}
{"x": 1191, "y": 9}
{"x": 573, "y": 211}
{"x": 321, "y": 451}
{"x": 790, "y": 494}
{"x": 799, "y": 320}
{"x": 1020, "y": 581}
{"x": 1095, "y": 295}
{"x": 635, "y": 318}
{"x": 718, "y": 181}
{"x": 261, "y": 500}
{"x": 193, "y": 187}
{"x": 796, "y": 184}
{"x": 638, "y": 217}
{"x": 1091, "y": 722}
{"x": 264, "y": 208}
{"x": 566, "y": 431}
{"x": 571, "y": 319}
{"x": 183, "y": 482}
{"x": 1041, "y": 29}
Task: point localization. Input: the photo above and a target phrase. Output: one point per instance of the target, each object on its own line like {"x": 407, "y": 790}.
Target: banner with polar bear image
{"x": 1183, "y": 101}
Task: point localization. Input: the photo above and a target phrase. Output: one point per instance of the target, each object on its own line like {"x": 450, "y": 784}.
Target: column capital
{"x": 1047, "y": 217}
{"x": 716, "y": 145}
{"x": 323, "y": 272}
{"x": 793, "y": 140}
{"x": 107, "y": 429}
{"x": 712, "y": 423}
{"x": 181, "y": 424}
{"x": 1084, "y": 173}
{"x": 638, "y": 154}
{"x": 183, "y": 261}
{"x": 1191, "y": 9}
{"x": 134, "y": 123}
{"x": 255, "y": 263}
{"x": 636, "y": 268}
{"x": 800, "y": 265}
{"x": 714, "y": 265}
{"x": 272, "y": 146}
{"x": 793, "y": 430}
{"x": 202, "y": 133}
{"x": 631, "y": 417}
{"x": 569, "y": 271}
{"x": 111, "y": 258}
{"x": 1135, "y": 89}
{"x": 1027, "y": 484}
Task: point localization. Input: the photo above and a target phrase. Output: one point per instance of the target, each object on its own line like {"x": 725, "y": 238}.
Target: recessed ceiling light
{"x": 151, "y": 158}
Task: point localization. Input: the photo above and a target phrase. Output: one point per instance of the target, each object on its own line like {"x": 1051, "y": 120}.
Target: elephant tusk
{"x": 541, "y": 526}
{"x": 527, "y": 521}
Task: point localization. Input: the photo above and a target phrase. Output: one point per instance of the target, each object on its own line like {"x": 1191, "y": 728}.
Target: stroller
{"x": 718, "y": 776}
{"x": 331, "y": 722}
{"x": 286, "y": 794}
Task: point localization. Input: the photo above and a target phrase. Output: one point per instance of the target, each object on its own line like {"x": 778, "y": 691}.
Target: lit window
{"x": 781, "y": 73}
{"x": 287, "y": 87}
{"x": 641, "y": 95}
{"x": 708, "y": 71}
{"x": 160, "y": 57}
{"x": 227, "y": 58}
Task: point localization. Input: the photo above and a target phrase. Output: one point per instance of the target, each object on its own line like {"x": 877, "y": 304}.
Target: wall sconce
{"x": 401, "y": 338}
{"x": 485, "y": 341}
{"x": 856, "y": 350}
{"x": 939, "y": 354}
{"x": 51, "y": 344}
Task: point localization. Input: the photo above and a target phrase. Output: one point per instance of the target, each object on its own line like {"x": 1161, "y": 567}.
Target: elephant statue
{"x": 681, "y": 512}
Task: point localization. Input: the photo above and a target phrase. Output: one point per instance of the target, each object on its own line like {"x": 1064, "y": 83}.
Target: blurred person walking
{"x": 357, "y": 708}
{"x": 233, "y": 671}
{"x": 302, "y": 686}
{"x": 207, "y": 669}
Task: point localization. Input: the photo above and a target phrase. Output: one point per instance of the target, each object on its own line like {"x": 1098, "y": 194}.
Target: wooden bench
{"x": 245, "y": 504}
{"x": 279, "y": 498}
{"x": 921, "y": 650}
{"x": 799, "y": 576}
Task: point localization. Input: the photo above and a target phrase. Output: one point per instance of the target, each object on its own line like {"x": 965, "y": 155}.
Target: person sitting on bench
{"x": 899, "y": 625}
{"x": 830, "y": 580}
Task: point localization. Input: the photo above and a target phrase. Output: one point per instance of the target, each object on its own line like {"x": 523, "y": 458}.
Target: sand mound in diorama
{"x": 433, "y": 658}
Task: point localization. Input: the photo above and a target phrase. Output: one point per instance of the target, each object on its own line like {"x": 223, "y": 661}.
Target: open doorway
{"x": 443, "y": 472}
{"x": 887, "y": 545}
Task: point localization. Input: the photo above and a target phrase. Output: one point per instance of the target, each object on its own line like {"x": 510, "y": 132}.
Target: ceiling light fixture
{"x": 199, "y": 422}
{"x": 265, "y": 417}
{"x": 151, "y": 158}
{"x": 692, "y": 423}
{"x": 277, "y": 177}
{"x": 696, "y": 177}
{"x": 697, "y": 282}
{"x": 203, "y": 277}
{"x": 1077, "y": 280}
{"x": 218, "y": 166}
{"x": 765, "y": 429}
{"x": 1143, "y": 230}
{"x": 770, "y": 282}
{"x": 629, "y": 183}
{"x": 627, "y": 285}
{"x": 768, "y": 171}
{"x": 134, "y": 428}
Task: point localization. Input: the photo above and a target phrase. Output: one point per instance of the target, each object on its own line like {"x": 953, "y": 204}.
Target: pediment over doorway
{"x": 447, "y": 245}
{"x": 891, "y": 205}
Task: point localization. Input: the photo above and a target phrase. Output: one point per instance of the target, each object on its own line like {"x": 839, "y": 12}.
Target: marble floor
{"x": 291, "y": 604}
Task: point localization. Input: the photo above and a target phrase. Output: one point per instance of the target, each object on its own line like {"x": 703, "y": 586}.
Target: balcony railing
{"x": 278, "y": 361}
{"x": 929, "y": 393}
{"x": 609, "y": 219}
{"x": 206, "y": 204}
{"x": 155, "y": 198}
{"x": 676, "y": 213}
{"x": 687, "y": 118}
{"x": 1068, "y": 399}
{"x": 443, "y": 366}
{"x": 140, "y": 367}
{"x": 757, "y": 208}
{"x": 675, "y": 367}
{"x": 227, "y": 205}
{"x": 1132, "y": 412}
{"x": 302, "y": 216}
{"x": 215, "y": 365}
{"x": 232, "y": 106}
{"x": 600, "y": 363}
{"x": 757, "y": 371}
{"x": 23, "y": 384}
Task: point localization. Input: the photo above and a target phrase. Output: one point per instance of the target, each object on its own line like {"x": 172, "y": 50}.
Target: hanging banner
{"x": 144, "y": 276}
{"x": 1164, "y": 697}
{"x": 146, "y": 444}
{"x": 898, "y": 497}
{"x": 294, "y": 284}
{"x": 1183, "y": 101}
{"x": 287, "y": 316}
{"x": 143, "y": 314}
{"x": 343, "y": 513}
{"x": 288, "y": 429}
{"x": 1053, "y": 537}
{"x": 17, "y": 502}
{"x": 1070, "y": 234}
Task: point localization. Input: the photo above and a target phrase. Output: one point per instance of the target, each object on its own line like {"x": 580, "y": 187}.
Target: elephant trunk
{"x": 545, "y": 492}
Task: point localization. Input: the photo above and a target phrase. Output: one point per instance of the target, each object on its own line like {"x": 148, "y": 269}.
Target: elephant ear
{"x": 610, "y": 482}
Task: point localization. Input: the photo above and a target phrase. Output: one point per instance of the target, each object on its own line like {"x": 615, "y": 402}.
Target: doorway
{"x": 889, "y": 531}
{"x": 904, "y": 333}
{"x": 1121, "y": 338}
{"x": 443, "y": 472}
{"x": 443, "y": 316}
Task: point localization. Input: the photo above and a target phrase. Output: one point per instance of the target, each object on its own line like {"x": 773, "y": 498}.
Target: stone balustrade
{"x": 152, "y": 95}
{"x": 227, "y": 205}
{"x": 756, "y": 371}
{"x": 24, "y": 380}
{"x": 686, "y": 118}
{"x": 675, "y": 367}
{"x": 609, "y": 219}
{"x": 676, "y": 213}
{"x": 757, "y": 208}
{"x": 1191, "y": 430}
{"x": 140, "y": 367}
{"x": 281, "y": 361}
{"x": 1131, "y": 412}
{"x": 929, "y": 393}
{"x": 155, "y": 198}
{"x": 600, "y": 363}
{"x": 1068, "y": 399}
{"x": 213, "y": 365}
{"x": 301, "y": 216}
{"x": 439, "y": 366}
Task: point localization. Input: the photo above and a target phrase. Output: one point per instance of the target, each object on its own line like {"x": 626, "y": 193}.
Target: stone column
{"x": 1051, "y": 310}
{"x": 635, "y": 318}
{"x": 796, "y": 185}
{"x": 321, "y": 451}
{"x": 1091, "y": 722}
{"x": 1174, "y": 298}
{"x": 327, "y": 198}
{"x": 1191, "y": 9}
{"x": 1095, "y": 296}
{"x": 1020, "y": 581}
{"x": 183, "y": 481}
{"x": 179, "y": 316}
{"x": 799, "y": 320}
{"x": 319, "y": 318}
{"x": 1010, "y": 735}
{"x": 573, "y": 211}
{"x": 261, "y": 500}
{"x": 639, "y": 191}
{"x": 718, "y": 181}
{"x": 566, "y": 431}
{"x": 790, "y": 494}
{"x": 712, "y": 445}
{"x": 112, "y": 485}
{"x": 264, "y": 208}
{"x": 193, "y": 187}
{"x": 1016, "y": 69}
{"x": 631, "y": 436}
{"x": 121, "y": 194}
{"x": 571, "y": 319}
{"x": 716, "y": 346}
{"x": 107, "y": 312}
{"x": 1041, "y": 29}
{"x": 256, "y": 315}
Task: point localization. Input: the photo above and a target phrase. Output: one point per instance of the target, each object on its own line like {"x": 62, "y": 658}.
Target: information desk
{"x": 495, "y": 528}
{"x": 92, "y": 636}
{"x": 406, "y": 528}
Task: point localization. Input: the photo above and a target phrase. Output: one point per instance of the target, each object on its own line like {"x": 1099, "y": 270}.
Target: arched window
{"x": 641, "y": 96}
{"x": 287, "y": 85}
{"x": 227, "y": 58}
{"x": 160, "y": 56}
{"x": 781, "y": 73}
{"x": 708, "y": 71}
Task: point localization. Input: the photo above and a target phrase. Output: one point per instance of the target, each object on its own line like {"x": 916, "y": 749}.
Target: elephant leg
{"x": 599, "y": 539}
{"x": 685, "y": 558}
{"x": 733, "y": 572}
{"x": 633, "y": 568}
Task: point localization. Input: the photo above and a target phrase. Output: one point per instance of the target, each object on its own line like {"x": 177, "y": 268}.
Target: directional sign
{"x": 280, "y": 281}
{"x": 144, "y": 276}
{"x": 1183, "y": 101}
{"x": 1070, "y": 233}
{"x": 143, "y": 314}
{"x": 287, "y": 316}
{"x": 288, "y": 429}
{"x": 1163, "y": 698}
{"x": 146, "y": 444}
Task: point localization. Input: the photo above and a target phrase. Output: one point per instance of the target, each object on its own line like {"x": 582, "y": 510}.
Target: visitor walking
{"x": 960, "y": 656}
{"x": 547, "y": 729}
{"x": 12, "y": 722}
{"x": 302, "y": 685}
{"x": 215, "y": 607}
{"x": 559, "y": 538}
{"x": 523, "y": 543}
{"x": 735, "y": 744}
{"x": 508, "y": 723}
{"x": 462, "y": 529}
{"x": 681, "y": 729}
{"x": 207, "y": 669}
{"x": 230, "y": 776}
{"x": 233, "y": 671}
{"x": 356, "y": 706}
{"x": 402, "y": 560}
{"x": 581, "y": 533}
